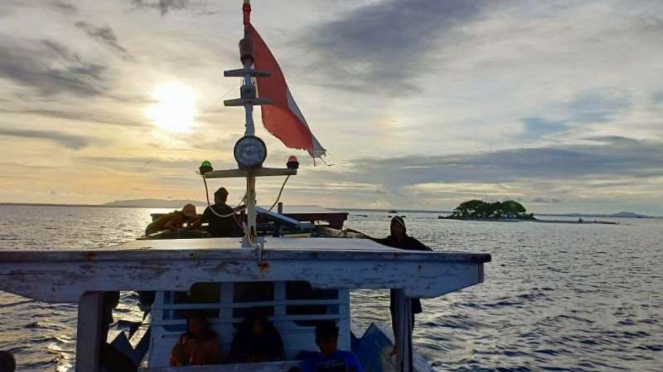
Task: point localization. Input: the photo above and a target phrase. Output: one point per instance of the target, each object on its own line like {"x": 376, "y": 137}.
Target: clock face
{"x": 250, "y": 151}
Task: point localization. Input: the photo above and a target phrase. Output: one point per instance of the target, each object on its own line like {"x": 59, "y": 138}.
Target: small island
{"x": 480, "y": 210}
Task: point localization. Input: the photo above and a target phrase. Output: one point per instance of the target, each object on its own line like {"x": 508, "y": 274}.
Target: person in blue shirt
{"x": 330, "y": 359}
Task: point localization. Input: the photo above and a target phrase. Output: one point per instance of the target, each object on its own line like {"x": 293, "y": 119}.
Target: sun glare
{"x": 174, "y": 110}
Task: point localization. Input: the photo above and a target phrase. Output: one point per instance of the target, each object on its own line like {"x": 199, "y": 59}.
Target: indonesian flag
{"x": 283, "y": 118}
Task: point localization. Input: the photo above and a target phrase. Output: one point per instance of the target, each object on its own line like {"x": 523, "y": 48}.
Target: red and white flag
{"x": 283, "y": 118}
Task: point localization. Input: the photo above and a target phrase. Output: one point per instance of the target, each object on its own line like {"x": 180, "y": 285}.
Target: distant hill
{"x": 153, "y": 203}
{"x": 623, "y": 214}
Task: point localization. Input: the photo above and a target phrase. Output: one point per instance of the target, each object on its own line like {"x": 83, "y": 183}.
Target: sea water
{"x": 556, "y": 297}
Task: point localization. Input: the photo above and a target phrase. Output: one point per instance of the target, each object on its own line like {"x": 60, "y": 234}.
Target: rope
{"x": 209, "y": 205}
{"x": 280, "y": 192}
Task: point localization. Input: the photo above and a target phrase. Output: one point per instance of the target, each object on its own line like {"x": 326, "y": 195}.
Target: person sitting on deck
{"x": 220, "y": 216}
{"x": 173, "y": 221}
{"x": 257, "y": 340}
{"x": 198, "y": 346}
{"x": 7, "y": 362}
{"x": 330, "y": 359}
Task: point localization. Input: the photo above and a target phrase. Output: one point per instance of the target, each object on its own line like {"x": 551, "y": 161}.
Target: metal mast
{"x": 250, "y": 151}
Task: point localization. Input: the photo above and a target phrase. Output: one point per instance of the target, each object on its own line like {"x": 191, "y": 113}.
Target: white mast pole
{"x": 249, "y": 239}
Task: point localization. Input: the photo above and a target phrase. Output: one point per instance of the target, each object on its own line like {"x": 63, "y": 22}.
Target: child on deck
{"x": 329, "y": 359}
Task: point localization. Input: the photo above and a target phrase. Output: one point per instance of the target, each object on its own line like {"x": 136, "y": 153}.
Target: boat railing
{"x": 275, "y": 319}
{"x": 240, "y": 305}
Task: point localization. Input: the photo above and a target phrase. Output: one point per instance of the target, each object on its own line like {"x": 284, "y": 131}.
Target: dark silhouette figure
{"x": 7, "y": 362}
{"x": 257, "y": 340}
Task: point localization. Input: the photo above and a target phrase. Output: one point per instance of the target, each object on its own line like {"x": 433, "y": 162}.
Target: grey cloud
{"x": 142, "y": 164}
{"x": 79, "y": 116}
{"x": 598, "y": 106}
{"x": 64, "y": 6}
{"x": 164, "y": 6}
{"x": 104, "y": 35}
{"x": 57, "y": 5}
{"x": 388, "y": 42}
{"x": 545, "y": 201}
{"x": 658, "y": 96}
{"x": 538, "y": 127}
{"x": 67, "y": 140}
{"x": 50, "y": 67}
{"x": 606, "y": 157}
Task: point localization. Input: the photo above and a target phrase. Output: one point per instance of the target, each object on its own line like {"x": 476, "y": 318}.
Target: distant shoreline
{"x": 76, "y": 205}
{"x": 386, "y": 211}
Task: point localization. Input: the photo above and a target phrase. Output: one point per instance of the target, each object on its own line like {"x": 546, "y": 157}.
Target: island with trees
{"x": 480, "y": 210}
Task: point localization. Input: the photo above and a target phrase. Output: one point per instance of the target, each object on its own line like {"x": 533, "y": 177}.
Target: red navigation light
{"x": 292, "y": 163}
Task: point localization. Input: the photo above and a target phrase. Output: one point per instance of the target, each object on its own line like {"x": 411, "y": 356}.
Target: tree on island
{"x": 479, "y": 209}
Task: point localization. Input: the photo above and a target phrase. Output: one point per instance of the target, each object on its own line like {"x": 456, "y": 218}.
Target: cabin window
{"x": 199, "y": 293}
{"x": 254, "y": 292}
{"x": 304, "y": 291}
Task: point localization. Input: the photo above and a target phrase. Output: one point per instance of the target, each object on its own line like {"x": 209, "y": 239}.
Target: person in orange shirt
{"x": 198, "y": 346}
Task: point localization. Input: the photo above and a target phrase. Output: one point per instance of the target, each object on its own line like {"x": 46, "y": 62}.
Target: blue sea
{"x": 557, "y": 297}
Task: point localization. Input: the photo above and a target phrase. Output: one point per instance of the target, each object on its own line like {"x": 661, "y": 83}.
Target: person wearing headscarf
{"x": 398, "y": 238}
{"x": 256, "y": 341}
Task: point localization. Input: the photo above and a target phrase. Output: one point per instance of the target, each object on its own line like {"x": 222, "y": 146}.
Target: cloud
{"x": 60, "y": 6}
{"x": 600, "y": 157}
{"x": 164, "y": 6}
{"x": 50, "y": 67}
{"x": 545, "y": 201}
{"x": 64, "y": 6}
{"x": 598, "y": 106}
{"x": 95, "y": 117}
{"x": 658, "y": 97}
{"x": 70, "y": 141}
{"x": 142, "y": 164}
{"x": 105, "y": 35}
{"x": 386, "y": 43}
{"x": 538, "y": 127}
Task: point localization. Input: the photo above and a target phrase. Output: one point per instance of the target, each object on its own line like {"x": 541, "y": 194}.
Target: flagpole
{"x": 250, "y": 129}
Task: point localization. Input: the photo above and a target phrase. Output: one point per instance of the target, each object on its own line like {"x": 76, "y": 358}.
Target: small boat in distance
{"x": 297, "y": 283}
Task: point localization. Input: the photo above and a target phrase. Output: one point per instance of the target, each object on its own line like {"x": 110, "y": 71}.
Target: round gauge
{"x": 250, "y": 151}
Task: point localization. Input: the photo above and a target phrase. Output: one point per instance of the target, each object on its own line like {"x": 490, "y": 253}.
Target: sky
{"x": 420, "y": 104}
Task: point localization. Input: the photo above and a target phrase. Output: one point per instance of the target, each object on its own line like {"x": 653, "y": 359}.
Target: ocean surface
{"x": 557, "y": 297}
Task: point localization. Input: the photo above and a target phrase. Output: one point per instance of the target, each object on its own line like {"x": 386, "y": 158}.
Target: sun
{"x": 174, "y": 110}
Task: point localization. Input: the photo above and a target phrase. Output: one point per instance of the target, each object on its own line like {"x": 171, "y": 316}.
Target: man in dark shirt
{"x": 220, "y": 216}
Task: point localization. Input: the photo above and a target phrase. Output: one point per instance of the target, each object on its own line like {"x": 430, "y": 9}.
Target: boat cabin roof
{"x": 175, "y": 265}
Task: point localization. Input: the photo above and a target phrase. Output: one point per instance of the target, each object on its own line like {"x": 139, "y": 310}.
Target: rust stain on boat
{"x": 263, "y": 267}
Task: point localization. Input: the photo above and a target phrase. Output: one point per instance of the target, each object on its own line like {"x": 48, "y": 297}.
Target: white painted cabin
{"x": 276, "y": 278}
